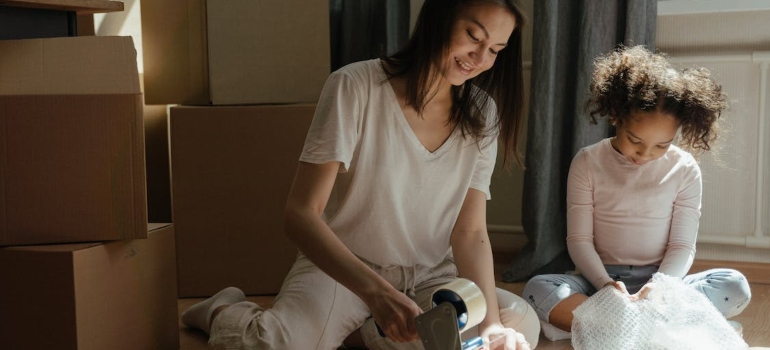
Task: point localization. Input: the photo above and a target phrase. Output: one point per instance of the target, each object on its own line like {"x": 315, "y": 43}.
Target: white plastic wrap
{"x": 674, "y": 316}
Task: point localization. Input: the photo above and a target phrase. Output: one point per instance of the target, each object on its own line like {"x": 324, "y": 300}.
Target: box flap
{"x": 73, "y": 66}
{"x": 72, "y": 247}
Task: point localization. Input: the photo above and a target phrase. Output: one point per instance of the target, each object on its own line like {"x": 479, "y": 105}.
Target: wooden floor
{"x": 755, "y": 319}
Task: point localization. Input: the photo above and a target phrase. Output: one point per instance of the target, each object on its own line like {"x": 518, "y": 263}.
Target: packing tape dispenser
{"x": 457, "y": 306}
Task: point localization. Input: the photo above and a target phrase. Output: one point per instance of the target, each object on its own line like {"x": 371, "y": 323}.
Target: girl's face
{"x": 645, "y": 136}
{"x": 478, "y": 34}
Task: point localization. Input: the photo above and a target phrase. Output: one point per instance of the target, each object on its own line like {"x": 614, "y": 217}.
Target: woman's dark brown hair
{"x": 503, "y": 82}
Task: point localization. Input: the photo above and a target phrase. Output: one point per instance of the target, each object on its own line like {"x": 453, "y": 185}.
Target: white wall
{"x": 124, "y": 23}
{"x": 732, "y": 39}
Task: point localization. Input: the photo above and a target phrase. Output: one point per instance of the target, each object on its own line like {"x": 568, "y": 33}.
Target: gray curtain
{"x": 567, "y": 36}
{"x": 364, "y": 29}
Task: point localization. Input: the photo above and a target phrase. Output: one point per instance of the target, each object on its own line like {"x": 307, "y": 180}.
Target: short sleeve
{"x": 485, "y": 164}
{"x": 335, "y": 128}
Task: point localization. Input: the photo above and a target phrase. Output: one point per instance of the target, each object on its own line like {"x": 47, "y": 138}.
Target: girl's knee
{"x": 537, "y": 285}
{"x": 727, "y": 289}
{"x": 543, "y": 292}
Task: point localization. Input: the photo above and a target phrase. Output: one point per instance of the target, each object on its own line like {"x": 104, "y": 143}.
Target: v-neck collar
{"x": 400, "y": 117}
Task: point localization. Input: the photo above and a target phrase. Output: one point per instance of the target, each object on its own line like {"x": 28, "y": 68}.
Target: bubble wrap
{"x": 674, "y": 316}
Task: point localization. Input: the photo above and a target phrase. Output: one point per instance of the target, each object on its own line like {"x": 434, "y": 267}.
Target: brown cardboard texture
{"x": 72, "y": 157}
{"x": 232, "y": 168}
{"x": 118, "y": 295}
{"x": 199, "y": 52}
{"x": 68, "y": 66}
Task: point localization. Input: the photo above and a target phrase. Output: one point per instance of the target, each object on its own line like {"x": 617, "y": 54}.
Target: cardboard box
{"x": 118, "y": 295}
{"x": 158, "y": 163}
{"x": 199, "y": 52}
{"x": 72, "y": 166}
{"x": 231, "y": 170}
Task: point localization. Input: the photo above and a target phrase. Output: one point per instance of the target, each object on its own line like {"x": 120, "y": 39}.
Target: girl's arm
{"x": 473, "y": 256}
{"x": 580, "y": 224}
{"x": 680, "y": 250}
{"x": 392, "y": 310}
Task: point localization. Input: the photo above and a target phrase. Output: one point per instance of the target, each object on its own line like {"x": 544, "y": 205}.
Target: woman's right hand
{"x": 394, "y": 313}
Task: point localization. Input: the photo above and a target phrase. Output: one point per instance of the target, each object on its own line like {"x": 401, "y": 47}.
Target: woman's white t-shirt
{"x": 394, "y": 202}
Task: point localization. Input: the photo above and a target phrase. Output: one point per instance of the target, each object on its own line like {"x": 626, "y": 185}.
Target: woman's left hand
{"x": 501, "y": 338}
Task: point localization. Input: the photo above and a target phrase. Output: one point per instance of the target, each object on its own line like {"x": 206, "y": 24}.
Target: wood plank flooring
{"x": 755, "y": 319}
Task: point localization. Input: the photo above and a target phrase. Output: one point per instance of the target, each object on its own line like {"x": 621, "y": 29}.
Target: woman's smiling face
{"x": 479, "y": 33}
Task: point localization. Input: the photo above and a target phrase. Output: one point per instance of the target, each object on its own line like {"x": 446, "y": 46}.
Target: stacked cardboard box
{"x": 247, "y": 74}
{"x": 232, "y": 168}
{"x": 235, "y": 52}
{"x": 73, "y": 171}
{"x": 73, "y": 144}
{"x": 91, "y": 296}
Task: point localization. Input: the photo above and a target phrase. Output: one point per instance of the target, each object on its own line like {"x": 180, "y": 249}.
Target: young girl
{"x": 389, "y": 198}
{"x": 633, "y": 200}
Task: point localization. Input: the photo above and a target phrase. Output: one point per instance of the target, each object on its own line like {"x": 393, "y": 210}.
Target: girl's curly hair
{"x": 630, "y": 79}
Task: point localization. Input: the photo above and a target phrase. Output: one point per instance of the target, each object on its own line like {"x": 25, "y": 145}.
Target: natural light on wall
{"x": 732, "y": 40}
{"x": 125, "y": 23}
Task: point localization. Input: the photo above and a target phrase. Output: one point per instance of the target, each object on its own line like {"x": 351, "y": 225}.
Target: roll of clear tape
{"x": 467, "y": 299}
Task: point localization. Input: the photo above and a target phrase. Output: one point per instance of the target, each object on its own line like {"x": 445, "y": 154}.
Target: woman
{"x": 389, "y": 198}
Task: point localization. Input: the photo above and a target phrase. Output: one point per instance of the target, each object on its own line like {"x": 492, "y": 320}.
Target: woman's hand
{"x": 313, "y": 183}
{"x": 394, "y": 313}
{"x": 501, "y": 338}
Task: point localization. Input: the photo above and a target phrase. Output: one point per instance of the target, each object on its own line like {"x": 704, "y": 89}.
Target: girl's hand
{"x": 501, "y": 338}
{"x": 619, "y": 286}
{"x": 642, "y": 293}
{"x": 394, "y": 313}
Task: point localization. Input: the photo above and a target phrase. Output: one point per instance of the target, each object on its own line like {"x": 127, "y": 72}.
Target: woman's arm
{"x": 392, "y": 310}
{"x": 473, "y": 252}
{"x": 473, "y": 256}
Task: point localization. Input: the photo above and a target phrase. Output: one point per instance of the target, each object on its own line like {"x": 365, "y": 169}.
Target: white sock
{"x": 552, "y": 333}
{"x": 199, "y": 315}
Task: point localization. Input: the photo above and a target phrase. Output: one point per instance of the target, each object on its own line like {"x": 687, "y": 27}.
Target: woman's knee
{"x": 516, "y": 313}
